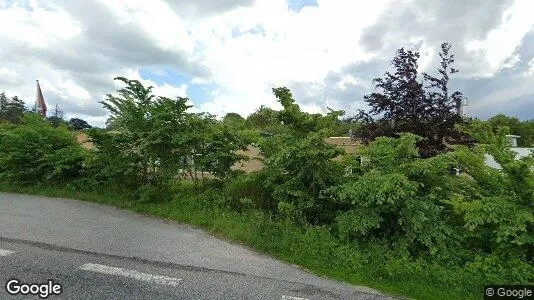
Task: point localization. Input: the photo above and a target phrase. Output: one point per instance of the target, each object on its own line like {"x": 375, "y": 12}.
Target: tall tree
{"x": 525, "y": 129}
{"x": 444, "y": 108}
{"x": 11, "y": 110}
{"x": 79, "y": 124}
{"x": 233, "y": 116}
{"x": 266, "y": 119}
{"x": 158, "y": 138}
{"x": 404, "y": 104}
{"x": 527, "y": 134}
{"x": 234, "y": 120}
{"x": 56, "y": 118}
{"x": 298, "y": 162}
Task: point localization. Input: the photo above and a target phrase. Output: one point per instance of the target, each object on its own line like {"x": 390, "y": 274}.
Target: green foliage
{"x": 34, "y": 151}
{"x": 110, "y": 163}
{"x": 250, "y": 187}
{"x": 78, "y": 124}
{"x": 156, "y": 141}
{"x": 405, "y": 104}
{"x": 387, "y": 203}
{"x": 213, "y": 145}
{"x": 344, "y": 126}
{"x": 500, "y": 214}
{"x": 145, "y": 148}
{"x": 11, "y": 110}
{"x": 301, "y": 123}
{"x": 420, "y": 209}
{"x": 524, "y": 129}
{"x": 56, "y": 121}
{"x": 56, "y": 118}
{"x": 266, "y": 119}
{"x": 298, "y": 164}
{"x": 298, "y": 171}
{"x": 234, "y": 120}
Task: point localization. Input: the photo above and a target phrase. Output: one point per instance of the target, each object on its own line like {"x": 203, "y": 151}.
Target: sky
{"x": 227, "y": 55}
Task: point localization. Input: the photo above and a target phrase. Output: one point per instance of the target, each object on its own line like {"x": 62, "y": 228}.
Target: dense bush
{"x": 247, "y": 191}
{"x": 299, "y": 164}
{"x": 525, "y": 129}
{"x": 157, "y": 140}
{"x": 419, "y": 208}
{"x": 109, "y": 164}
{"x": 34, "y": 151}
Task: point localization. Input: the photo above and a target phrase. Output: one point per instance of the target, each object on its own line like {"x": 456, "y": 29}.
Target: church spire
{"x": 40, "y": 105}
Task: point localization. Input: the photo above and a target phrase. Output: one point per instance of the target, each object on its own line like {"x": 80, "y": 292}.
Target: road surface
{"x": 98, "y": 252}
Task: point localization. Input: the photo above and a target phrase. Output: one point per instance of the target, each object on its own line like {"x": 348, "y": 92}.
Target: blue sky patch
{"x": 164, "y": 75}
{"x": 197, "y": 93}
{"x": 258, "y": 29}
{"x": 200, "y": 93}
{"x": 297, "y": 5}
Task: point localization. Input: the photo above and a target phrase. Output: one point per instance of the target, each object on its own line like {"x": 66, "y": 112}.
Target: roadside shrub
{"x": 161, "y": 192}
{"x": 113, "y": 161}
{"x": 36, "y": 152}
{"x": 298, "y": 171}
{"x": 386, "y": 204}
{"x": 421, "y": 212}
{"x": 248, "y": 186}
{"x": 501, "y": 269}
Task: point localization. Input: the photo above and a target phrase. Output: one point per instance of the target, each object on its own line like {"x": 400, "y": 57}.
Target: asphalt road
{"x": 99, "y": 252}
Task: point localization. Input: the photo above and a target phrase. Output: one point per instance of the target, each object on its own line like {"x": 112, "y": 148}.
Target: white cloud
{"x": 157, "y": 19}
{"x": 38, "y": 27}
{"x": 9, "y": 75}
{"x": 348, "y": 80}
{"x": 245, "y": 51}
{"x": 501, "y": 43}
{"x": 289, "y": 46}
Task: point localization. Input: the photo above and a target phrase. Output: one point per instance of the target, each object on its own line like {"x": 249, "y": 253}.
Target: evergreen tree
{"x": 11, "y": 110}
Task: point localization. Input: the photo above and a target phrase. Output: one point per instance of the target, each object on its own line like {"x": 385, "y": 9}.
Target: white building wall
{"x": 521, "y": 152}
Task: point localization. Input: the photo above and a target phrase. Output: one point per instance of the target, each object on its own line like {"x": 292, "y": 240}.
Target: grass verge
{"x": 314, "y": 248}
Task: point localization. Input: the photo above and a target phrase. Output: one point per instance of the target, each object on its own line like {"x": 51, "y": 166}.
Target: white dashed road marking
{"x": 284, "y": 297}
{"x": 5, "y": 252}
{"x": 131, "y": 274}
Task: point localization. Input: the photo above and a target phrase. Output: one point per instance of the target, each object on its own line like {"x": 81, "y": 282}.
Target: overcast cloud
{"x": 227, "y": 55}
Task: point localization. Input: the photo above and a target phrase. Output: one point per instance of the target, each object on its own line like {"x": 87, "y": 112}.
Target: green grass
{"x": 314, "y": 249}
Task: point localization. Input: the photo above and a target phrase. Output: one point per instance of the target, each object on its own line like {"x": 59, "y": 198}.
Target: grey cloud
{"x": 509, "y": 91}
{"x": 125, "y": 43}
{"x": 458, "y": 22}
{"x": 106, "y": 46}
{"x": 526, "y": 50}
{"x": 350, "y": 98}
{"x": 435, "y": 20}
{"x": 91, "y": 59}
{"x": 69, "y": 106}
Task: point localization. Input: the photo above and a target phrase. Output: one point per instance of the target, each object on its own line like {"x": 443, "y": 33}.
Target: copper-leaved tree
{"x": 403, "y": 103}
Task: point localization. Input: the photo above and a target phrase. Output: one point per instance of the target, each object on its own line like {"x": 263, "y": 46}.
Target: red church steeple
{"x": 40, "y": 105}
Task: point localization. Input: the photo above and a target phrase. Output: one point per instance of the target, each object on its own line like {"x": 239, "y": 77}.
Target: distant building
{"x": 520, "y": 152}
{"x": 513, "y": 139}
